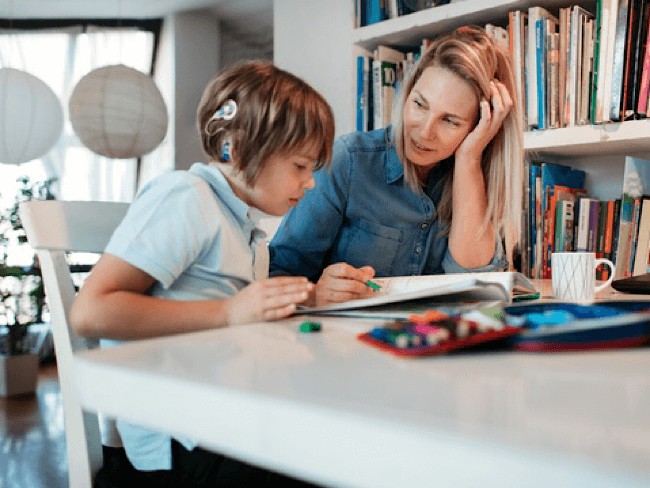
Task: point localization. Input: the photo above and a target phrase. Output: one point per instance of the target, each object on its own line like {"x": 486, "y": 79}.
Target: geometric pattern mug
{"x": 574, "y": 275}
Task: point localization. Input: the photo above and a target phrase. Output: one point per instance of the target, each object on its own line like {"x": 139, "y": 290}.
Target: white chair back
{"x": 54, "y": 228}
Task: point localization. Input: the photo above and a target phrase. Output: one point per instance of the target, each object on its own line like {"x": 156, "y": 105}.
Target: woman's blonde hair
{"x": 276, "y": 112}
{"x": 472, "y": 55}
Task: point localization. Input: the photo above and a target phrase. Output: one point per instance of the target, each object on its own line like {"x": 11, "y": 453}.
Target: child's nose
{"x": 310, "y": 183}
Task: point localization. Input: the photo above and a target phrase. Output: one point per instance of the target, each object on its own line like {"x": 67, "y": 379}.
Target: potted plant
{"x": 22, "y": 296}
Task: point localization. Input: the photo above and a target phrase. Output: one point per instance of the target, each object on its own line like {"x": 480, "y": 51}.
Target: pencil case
{"x": 434, "y": 335}
{"x": 556, "y": 327}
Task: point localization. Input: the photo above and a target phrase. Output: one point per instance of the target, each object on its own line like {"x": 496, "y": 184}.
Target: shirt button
{"x": 424, "y": 226}
{"x": 418, "y": 249}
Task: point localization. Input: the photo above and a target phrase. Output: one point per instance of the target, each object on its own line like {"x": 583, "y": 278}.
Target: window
{"x": 60, "y": 55}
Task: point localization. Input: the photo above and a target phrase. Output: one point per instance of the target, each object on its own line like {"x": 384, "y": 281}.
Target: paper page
{"x": 511, "y": 281}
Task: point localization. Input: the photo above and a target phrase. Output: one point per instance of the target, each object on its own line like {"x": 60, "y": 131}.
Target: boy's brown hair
{"x": 277, "y": 112}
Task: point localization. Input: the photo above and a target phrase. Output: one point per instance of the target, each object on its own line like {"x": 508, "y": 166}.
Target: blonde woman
{"x": 438, "y": 191}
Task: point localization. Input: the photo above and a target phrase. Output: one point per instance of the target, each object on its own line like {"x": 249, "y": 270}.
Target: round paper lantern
{"x": 31, "y": 117}
{"x": 118, "y": 112}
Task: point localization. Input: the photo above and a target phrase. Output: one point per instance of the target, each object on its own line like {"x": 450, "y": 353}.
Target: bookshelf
{"x": 410, "y": 29}
{"x": 330, "y": 65}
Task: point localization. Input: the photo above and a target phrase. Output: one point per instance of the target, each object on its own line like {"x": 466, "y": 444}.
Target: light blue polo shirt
{"x": 199, "y": 241}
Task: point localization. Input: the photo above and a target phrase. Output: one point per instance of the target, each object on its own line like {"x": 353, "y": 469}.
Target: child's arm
{"x": 112, "y": 304}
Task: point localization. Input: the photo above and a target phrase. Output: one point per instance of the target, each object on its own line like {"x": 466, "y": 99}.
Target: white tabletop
{"x": 329, "y": 408}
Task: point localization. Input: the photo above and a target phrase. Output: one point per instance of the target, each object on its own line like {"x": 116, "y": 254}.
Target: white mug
{"x": 574, "y": 275}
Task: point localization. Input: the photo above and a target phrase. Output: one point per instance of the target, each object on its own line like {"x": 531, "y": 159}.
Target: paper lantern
{"x": 31, "y": 117}
{"x": 118, "y": 112}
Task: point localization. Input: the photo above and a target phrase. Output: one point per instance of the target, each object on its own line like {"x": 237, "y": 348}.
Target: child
{"x": 189, "y": 254}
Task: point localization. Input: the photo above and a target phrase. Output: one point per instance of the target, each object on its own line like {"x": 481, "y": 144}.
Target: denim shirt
{"x": 362, "y": 213}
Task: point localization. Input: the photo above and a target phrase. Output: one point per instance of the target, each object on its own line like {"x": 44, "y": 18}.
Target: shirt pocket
{"x": 367, "y": 243}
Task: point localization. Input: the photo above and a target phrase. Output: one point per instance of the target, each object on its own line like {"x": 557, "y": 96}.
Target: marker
{"x": 521, "y": 298}
{"x": 373, "y": 285}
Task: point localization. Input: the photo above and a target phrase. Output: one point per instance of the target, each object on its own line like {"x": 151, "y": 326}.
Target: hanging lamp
{"x": 118, "y": 112}
{"x": 31, "y": 117}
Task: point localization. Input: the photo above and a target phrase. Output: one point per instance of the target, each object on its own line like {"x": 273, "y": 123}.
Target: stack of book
{"x": 580, "y": 67}
{"x": 563, "y": 218}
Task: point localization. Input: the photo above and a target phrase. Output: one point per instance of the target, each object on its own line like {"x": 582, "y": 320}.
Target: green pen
{"x": 373, "y": 285}
{"x": 521, "y": 298}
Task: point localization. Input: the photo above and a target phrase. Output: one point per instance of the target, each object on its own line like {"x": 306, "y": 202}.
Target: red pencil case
{"x": 408, "y": 338}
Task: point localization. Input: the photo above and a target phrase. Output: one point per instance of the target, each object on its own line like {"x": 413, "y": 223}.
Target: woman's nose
{"x": 430, "y": 128}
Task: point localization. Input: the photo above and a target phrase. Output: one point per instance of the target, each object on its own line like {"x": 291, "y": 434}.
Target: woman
{"x": 438, "y": 191}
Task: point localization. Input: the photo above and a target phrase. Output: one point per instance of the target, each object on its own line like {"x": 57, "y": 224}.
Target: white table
{"x": 327, "y": 407}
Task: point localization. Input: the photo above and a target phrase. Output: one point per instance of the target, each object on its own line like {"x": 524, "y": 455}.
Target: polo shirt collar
{"x": 213, "y": 174}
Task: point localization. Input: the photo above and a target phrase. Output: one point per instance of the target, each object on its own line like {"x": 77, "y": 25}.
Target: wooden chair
{"x": 54, "y": 228}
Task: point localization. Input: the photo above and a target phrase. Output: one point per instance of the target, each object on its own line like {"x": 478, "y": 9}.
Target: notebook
{"x": 436, "y": 289}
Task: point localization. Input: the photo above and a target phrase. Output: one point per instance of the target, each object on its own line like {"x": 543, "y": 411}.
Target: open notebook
{"x": 445, "y": 288}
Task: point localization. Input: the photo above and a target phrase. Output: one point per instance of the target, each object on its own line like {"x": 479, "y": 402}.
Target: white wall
{"x": 313, "y": 39}
{"x": 197, "y": 42}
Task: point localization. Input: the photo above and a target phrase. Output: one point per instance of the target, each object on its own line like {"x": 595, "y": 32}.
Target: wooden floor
{"x": 32, "y": 443}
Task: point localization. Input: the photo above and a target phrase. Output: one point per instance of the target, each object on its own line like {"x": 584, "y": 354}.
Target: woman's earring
{"x": 225, "y": 151}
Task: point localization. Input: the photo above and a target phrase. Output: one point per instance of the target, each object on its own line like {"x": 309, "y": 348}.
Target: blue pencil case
{"x": 551, "y": 327}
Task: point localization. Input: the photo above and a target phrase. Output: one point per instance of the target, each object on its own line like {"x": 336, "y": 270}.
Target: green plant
{"x": 22, "y": 297}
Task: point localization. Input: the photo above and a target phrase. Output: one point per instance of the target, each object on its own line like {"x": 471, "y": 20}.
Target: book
{"x": 608, "y": 49}
{"x": 595, "y": 75}
{"x": 644, "y": 84}
{"x": 629, "y": 63}
{"x": 637, "y": 54}
{"x": 375, "y": 11}
{"x": 605, "y": 48}
{"x": 384, "y": 78}
{"x": 636, "y": 182}
{"x": 534, "y": 13}
{"x": 445, "y": 288}
{"x": 564, "y": 226}
{"x": 563, "y": 49}
{"x": 577, "y": 68}
{"x": 636, "y": 220}
{"x": 618, "y": 61}
{"x": 586, "y": 70}
{"x": 517, "y": 35}
{"x": 553, "y": 64}
{"x": 586, "y": 216}
{"x": 622, "y": 256}
{"x": 643, "y": 242}
{"x": 540, "y": 63}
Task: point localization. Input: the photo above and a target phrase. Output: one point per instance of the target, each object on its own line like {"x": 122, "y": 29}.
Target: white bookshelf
{"x": 411, "y": 29}
{"x": 591, "y": 140}
{"x": 329, "y": 63}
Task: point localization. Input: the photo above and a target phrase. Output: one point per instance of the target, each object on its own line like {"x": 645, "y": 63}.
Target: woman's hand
{"x": 341, "y": 282}
{"x": 270, "y": 299}
{"x": 490, "y": 121}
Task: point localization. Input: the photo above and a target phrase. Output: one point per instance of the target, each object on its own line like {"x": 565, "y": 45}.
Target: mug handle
{"x": 612, "y": 269}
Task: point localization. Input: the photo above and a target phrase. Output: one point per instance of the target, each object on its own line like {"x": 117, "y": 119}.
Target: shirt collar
{"x": 213, "y": 174}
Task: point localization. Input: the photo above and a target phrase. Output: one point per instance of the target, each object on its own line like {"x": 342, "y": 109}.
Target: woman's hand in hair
{"x": 492, "y": 114}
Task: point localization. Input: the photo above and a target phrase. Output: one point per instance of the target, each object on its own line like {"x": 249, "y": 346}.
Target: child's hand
{"x": 269, "y": 299}
{"x": 341, "y": 282}
{"x": 491, "y": 118}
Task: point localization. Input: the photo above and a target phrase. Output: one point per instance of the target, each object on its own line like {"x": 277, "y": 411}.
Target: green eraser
{"x": 308, "y": 326}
